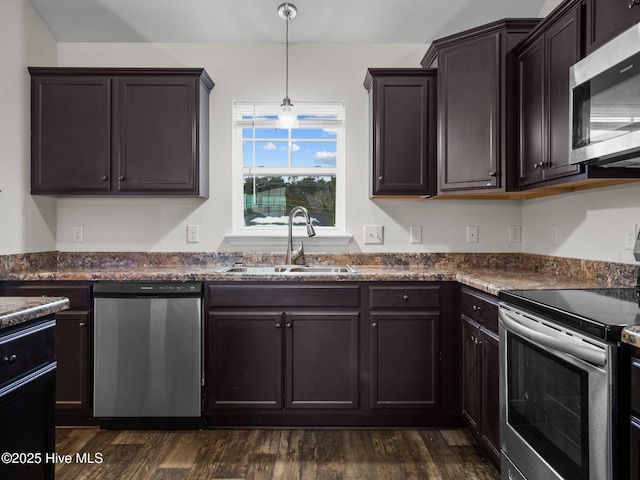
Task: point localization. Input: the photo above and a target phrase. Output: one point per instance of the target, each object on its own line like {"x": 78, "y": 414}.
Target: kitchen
{"x": 590, "y": 225}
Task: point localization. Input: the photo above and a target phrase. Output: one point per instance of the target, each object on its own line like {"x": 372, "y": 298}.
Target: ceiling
{"x": 257, "y": 21}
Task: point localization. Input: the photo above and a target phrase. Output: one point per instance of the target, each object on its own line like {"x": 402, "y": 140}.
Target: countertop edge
{"x": 17, "y": 310}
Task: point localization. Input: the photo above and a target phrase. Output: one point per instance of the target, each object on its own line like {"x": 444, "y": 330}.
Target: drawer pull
{"x": 374, "y": 325}
{"x": 288, "y": 324}
{"x": 278, "y": 325}
{"x": 476, "y": 308}
{"x": 405, "y": 297}
{"x": 11, "y": 359}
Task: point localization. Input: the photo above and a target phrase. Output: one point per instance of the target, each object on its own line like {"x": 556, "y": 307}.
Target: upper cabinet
{"x": 606, "y": 19}
{"x": 119, "y": 131}
{"x": 477, "y": 107}
{"x": 403, "y": 131}
{"x": 544, "y": 59}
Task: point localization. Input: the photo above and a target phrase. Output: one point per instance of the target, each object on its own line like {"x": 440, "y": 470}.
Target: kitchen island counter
{"x": 17, "y": 310}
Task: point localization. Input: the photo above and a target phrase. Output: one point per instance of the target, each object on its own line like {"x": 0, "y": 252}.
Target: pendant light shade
{"x": 287, "y": 117}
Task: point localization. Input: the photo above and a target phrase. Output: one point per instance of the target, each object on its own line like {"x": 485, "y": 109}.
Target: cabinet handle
{"x": 278, "y": 325}
{"x": 11, "y": 360}
{"x": 476, "y": 308}
{"x": 473, "y": 339}
{"x": 493, "y": 174}
{"x": 288, "y": 324}
{"x": 82, "y": 325}
{"x": 405, "y": 297}
{"x": 104, "y": 178}
{"x": 380, "y": 178}
{"x": 537, "y": 165}
{"x": 121, "y": 177}
{"x": 374, "y": 325}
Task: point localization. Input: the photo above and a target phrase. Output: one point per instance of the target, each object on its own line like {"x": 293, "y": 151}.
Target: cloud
{"x": 295, "y": 147}
{"x": 269, "y": 146}
{"x": 326, "y": 158}
{"x": 330, "y": 132}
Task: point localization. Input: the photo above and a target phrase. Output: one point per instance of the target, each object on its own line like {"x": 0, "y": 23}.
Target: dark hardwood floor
{"x": 272, "y": 454}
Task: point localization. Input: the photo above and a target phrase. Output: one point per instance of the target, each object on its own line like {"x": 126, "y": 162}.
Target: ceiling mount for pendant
{"x": 287, "y": 11}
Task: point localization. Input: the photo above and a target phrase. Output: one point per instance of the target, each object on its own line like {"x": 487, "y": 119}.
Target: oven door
{"x": 556, "y": 400}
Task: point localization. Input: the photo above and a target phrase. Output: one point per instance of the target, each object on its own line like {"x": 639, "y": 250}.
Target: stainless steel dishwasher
{"x": 147, "y": 349}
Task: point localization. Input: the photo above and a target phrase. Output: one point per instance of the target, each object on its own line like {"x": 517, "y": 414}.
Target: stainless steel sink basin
{"x": 279, "y": 269}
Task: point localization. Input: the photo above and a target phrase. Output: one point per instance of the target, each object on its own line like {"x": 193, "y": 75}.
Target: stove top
{"x": 599, "y": 312}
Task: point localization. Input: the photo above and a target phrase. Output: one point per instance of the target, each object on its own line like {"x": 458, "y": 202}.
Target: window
{"x": 276, "y": 168}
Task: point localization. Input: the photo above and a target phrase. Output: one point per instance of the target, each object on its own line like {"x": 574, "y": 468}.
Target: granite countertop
{"x": 490, "y": 280}
{"x": 631, "y": 335}
{"x": 16, "y": 310}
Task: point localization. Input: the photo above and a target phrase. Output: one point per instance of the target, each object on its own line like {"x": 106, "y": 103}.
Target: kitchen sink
{"x": 268, "y": 269}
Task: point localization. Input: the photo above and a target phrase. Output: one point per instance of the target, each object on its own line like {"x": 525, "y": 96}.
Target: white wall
{"x": 27, "y": 224}
{"x": 256, "y": 72}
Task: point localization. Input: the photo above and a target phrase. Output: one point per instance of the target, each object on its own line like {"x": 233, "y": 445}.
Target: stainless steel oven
{"x": 558, "y": 400}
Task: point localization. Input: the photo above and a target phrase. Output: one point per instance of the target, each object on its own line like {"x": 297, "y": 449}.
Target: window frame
{"x": 241, "y": 108}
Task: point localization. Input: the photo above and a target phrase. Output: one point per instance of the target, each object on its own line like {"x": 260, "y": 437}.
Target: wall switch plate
{"x": 415, "y": 234}
{"x": 515, "y": 233}
{"x": 193, "y": 234}
{"x": 374, "y": 234}
{"x": 630, "y": 236}
{"x": 472, "y": 233}
{"x": 554, "y": 234}
{"x": 77, "y": 234}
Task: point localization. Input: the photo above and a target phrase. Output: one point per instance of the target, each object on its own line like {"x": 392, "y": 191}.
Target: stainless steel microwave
{"x": 605, "y": 104}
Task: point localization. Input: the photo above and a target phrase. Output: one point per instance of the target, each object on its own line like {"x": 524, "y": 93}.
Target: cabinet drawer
{"x": 26, "y": 349}
{"x": 481, "y": 308}
{"x": 283, "y": 296}
{"x": 404, "y": 297}
{"x": 79, "y": 295}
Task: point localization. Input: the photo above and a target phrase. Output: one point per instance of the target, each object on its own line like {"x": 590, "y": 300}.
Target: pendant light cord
{"x": 286, "y": 91}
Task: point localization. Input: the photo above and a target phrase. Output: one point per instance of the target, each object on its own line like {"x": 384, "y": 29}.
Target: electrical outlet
{"x": 415, "y": 234}
{"x": 77, "y": 234}
{"x": 472, "y": 233}
{"x": 554, "y": 234}
{"x": 193, "y": 234}
{"x": 630, "y": 237}
{"x": 373, "y": 234}
{"x": 515, "y": 233}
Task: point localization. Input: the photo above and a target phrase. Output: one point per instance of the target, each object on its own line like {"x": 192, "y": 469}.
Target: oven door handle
{"x": 588, "y": 353}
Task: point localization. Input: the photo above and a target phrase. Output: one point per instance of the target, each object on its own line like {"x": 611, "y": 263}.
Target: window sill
{"x": 279, "y": 239}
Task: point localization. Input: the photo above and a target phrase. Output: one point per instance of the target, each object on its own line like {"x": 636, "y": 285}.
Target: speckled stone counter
{"x": 489, "y": 272}
{"x": 16, "y": 310}
{"x": 631, "y": 335}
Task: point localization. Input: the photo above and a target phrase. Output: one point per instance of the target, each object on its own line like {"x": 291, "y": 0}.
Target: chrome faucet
{"x": 292, "y": 254}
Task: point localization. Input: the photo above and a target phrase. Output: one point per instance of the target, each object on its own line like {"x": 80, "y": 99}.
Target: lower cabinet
{"x": 634, "y": 423}
{"x": 305, "y": 359}
{"x": 480, "y": 368}
{"x": 331, "y": 354}
{"x": 73, "y": 341}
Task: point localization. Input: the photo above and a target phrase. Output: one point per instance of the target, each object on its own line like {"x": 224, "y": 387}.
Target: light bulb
{"x": 287, "y": 117}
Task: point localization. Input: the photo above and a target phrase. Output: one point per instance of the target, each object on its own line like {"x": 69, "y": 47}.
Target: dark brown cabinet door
{"x": 403, "y": 121}
{"x": 321, "y": 364}
{"x": 532, "y": 111}
{"x": 469, "y": 114}
{"x": 71, "y": 132}
{"x": 490, "y": 380}
{"x": 634, "y": 448}
{"x": 244, "y": 360}
{"x": 563, "y": 50}
{"x": 543, "y": 70}
{"x": 155, "y": 144}
{"x": 608, "y": 18}
{"x": 72, "y": 356}
{"x": 404, "y": 360}
{"x": 471, "y": 392}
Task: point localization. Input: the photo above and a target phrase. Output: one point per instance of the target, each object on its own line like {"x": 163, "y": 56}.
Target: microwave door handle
{"x": 589, "y": 354}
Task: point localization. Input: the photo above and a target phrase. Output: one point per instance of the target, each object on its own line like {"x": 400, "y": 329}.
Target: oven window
{"x": 607, "y": 106}
{"x": 547, "y": 404}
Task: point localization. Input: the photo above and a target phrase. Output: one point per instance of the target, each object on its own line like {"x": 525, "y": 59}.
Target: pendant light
{"x": 287, "y": 117}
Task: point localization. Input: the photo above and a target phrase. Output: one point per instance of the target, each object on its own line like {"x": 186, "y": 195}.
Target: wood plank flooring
{"x": 263, "y": 454}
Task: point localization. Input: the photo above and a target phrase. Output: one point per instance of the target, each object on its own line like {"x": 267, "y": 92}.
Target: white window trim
{"x": 242, "y": 235}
